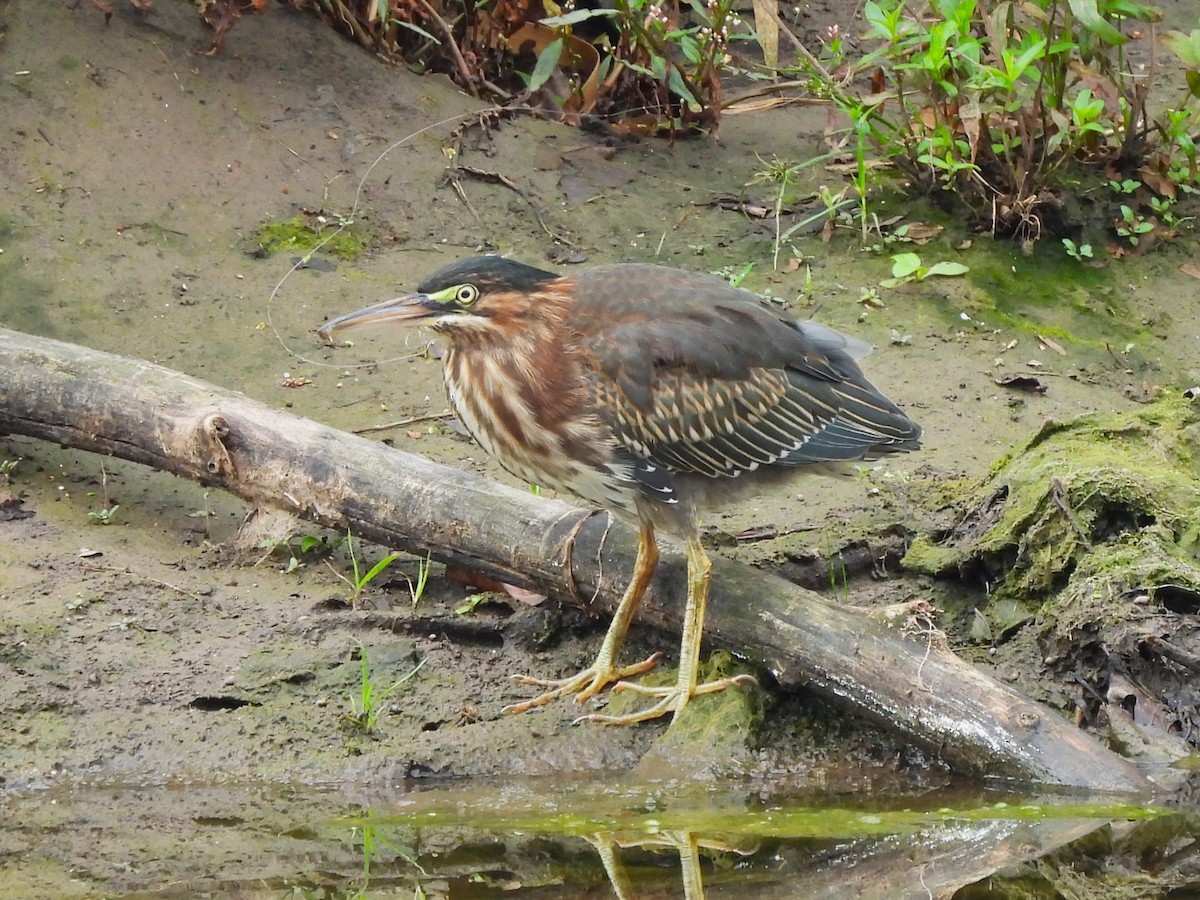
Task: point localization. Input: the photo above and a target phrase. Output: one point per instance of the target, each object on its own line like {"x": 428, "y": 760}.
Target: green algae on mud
{"x": 1074, "y": 495}
{"x": 1045, "y": 293}
{"x": 311, "y": 232}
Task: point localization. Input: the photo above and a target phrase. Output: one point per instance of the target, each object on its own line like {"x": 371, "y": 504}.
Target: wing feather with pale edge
{"x": 701, "y": 378}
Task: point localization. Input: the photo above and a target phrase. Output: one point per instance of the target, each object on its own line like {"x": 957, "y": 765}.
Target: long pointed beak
{"x": 409, "y": 309}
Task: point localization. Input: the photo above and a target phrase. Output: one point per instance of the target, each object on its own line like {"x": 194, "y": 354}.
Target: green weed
{"x": 468, "y": 605}
{"x": 1080, "y": 252}
{"x": 368, "y": 705}
{"x": 992, "y": 104}
{"x": 306, "y": 546}
{"x": 7, "y": 467}
{"x": 361, "y": 579}
{"x": 105, "y": 515}
{"x": 907, "y": 268}
{"x": 1133, "y": 225}
{"x": 418, "y": 590}
{"x": 312, "y": 231}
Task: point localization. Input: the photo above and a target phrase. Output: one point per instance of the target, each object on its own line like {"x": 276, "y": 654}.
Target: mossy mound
{"x": 1091, "y": 529}
{"x": 1115, "y": 494}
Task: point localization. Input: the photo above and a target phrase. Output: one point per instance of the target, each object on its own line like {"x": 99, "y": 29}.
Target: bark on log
{"x": 134, "y": 410}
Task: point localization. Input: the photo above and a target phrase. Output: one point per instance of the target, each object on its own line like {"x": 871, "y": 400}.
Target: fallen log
{"x": 891, "y": 670}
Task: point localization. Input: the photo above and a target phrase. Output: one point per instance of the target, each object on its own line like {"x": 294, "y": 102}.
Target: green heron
{"x": 649, "y": 391}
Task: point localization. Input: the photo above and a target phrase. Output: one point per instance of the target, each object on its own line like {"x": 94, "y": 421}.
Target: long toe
{"x": 671, "y": 699}
{"x": 584, "y": 685}
{"x": 668, "y": 703}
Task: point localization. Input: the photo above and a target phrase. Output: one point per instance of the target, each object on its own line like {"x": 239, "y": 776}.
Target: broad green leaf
{"x": 658, "y": 65}
{"x": 678, "y": 87}
{"x": 576, "y": 16}
{"x": 690, "y": 48}
{"x": 547, "y": 64}
{"x": 905, "y": 264}
{"x": 948, "y": 269}
{"x": 1126, "y": 9}
{"x": 1028, "y": 56}
{"x": 1185, "y": 46}
{"x": 1089, "y": 17}
{"x": 635, "y": 67}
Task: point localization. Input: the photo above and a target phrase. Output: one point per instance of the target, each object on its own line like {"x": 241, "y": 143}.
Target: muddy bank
{"x": 135, "y": 642}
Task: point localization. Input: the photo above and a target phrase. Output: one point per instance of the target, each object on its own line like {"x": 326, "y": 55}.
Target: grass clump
{"x": 367, "y": 705}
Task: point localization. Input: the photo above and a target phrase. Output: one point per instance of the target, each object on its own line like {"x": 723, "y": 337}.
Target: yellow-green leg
{"x": 675, "y": 698}
{"x": 604, "y": 670}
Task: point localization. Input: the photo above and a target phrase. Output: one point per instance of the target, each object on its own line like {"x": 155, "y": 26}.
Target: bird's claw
{"x": 674, "y": 698}
{"x": 584, "y": 685}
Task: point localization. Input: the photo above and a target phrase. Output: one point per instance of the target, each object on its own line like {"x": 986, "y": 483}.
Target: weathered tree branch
{"x": 898, "y": 677}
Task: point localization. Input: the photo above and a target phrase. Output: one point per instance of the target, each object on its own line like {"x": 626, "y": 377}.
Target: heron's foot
{"x": 584, "y": 686}
{"x": 673, "y": 699}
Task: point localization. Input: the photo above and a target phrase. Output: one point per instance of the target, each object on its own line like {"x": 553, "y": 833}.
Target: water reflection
{"x": 558, "y": 840}
{"x": 685, "y": 843}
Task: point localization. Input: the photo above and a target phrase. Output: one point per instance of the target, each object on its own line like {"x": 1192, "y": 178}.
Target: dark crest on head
{"x": 488, "y": 273}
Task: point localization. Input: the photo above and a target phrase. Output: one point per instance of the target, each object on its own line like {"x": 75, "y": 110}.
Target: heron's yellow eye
{"x": 465, "y": 294}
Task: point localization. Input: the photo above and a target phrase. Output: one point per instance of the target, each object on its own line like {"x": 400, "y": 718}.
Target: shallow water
{"x": 555, "y": 838}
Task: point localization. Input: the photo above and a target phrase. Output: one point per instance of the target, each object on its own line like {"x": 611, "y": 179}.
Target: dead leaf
{"x": 1026, "y": 383}
{"x": 1051, "y": 345}
{"x": 1189, "y": 269}
{"x": 756, "y": 533}
{"x": 1157, "y": 182}
{"x": 524, "y": 595}
{"x": 923, "y": 232}
{"x": 220, "y": 16}
{"x": 487, "y": 583}
{"x": 12, "y": 507}
{"x": 757, "y": 105}
{"x": 971, "y": 116}
{"x": 1142, "y": 706}
{"x": 767, "y": 28}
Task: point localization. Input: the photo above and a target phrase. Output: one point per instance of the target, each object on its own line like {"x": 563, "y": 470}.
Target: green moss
{"x": 925, "y": 555}
{"x": 1045, "y": 293}
{"x": 1082, "y": 513}
{"x": 305, "y": 234}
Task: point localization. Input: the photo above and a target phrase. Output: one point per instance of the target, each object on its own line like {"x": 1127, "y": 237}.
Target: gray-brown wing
{"x": 699, "y": 377}
{"x": 721, "y": 427}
